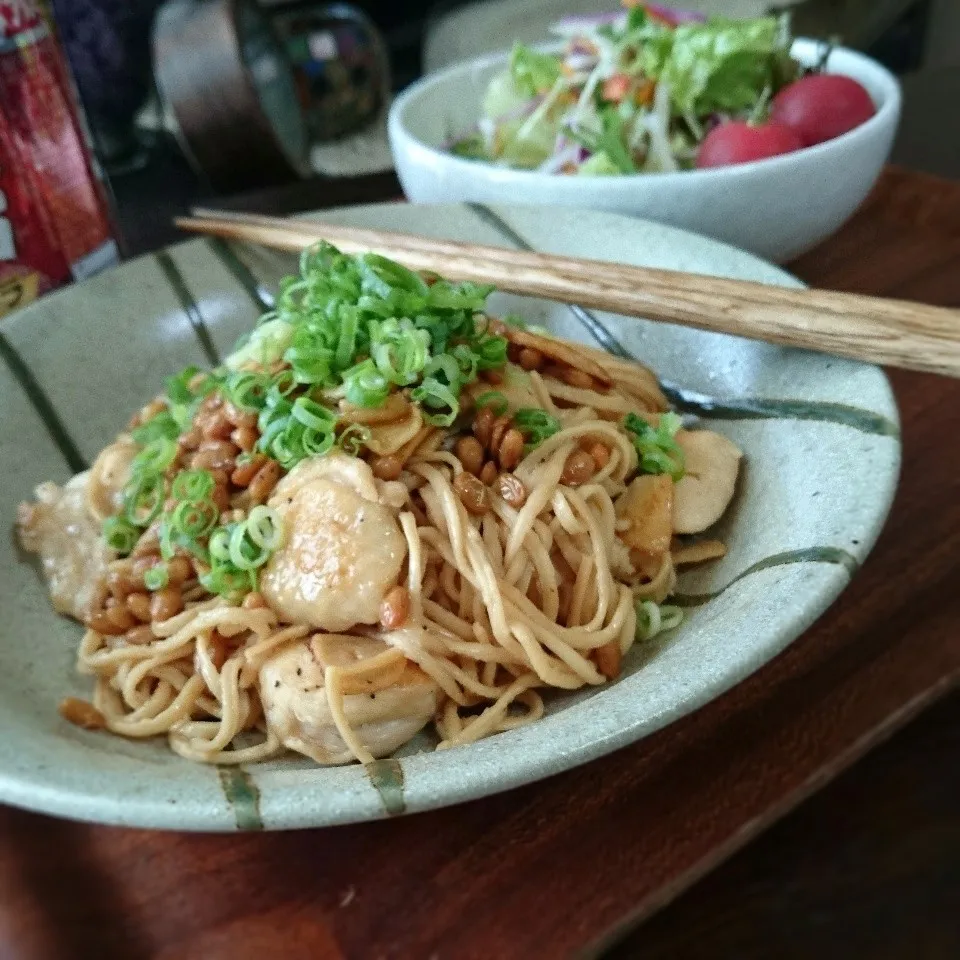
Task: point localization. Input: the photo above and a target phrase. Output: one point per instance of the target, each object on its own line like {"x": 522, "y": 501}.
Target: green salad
{"x": 631, "y": 92}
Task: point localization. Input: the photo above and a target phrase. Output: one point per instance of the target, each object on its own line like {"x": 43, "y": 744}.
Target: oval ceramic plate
{"x": 822, "y": 454}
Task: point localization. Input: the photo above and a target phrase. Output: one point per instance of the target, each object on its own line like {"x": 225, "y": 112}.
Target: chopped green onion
{"x": 192, "y": 486}
{"x": 361, "y": 325}
{"x": 657, "y": 447}
{"x": 365, "y": 385}
{"x": 155, "y": 457}
{"x": 120, "y": 534}
{"x": 312, "y": 415}
{"x": 220, "y": 545}
{"x": 263, "y": 527}
{"x": 228, "y": 582}
{"x": 379, "y": 270}
{"x": 440, "y": 405}
{"x": 194, "y": 520}
{"x": 309, "y": 356}
{"x": 468, "y": 362}
{"x": 179, "y": 388}
{"x": 493, "y": 399}
{"x": 347, "y": 342}
{"x": 491, "y": 352}
{"x": 143, "y": 498}
{"x": 536, "y": 425}
{"x": 468, "y": 297}
{"x": 238, "y": 550}
{"x": 445, "y": 369}
{"x": 291, "y": 432}
{"x": 353, "y": 437}
{"x": 653, "y": 619}
{"x": 247, "y": 390}
{"x": 161, "y": 426}
{"x": 283, "y": 384}
{"x": 157, "y": 577}
{"x": 399, "y": 350}
{"x": 244, "y": 554}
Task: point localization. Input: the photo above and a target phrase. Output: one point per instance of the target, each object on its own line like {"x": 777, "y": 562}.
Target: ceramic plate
{"x": 822, "y": 451}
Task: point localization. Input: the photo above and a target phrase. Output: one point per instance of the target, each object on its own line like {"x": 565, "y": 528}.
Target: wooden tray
{"x": 564, "y": 866}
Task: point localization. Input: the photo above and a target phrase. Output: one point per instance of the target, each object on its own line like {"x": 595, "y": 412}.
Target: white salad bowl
{"x": 776, "y": 208}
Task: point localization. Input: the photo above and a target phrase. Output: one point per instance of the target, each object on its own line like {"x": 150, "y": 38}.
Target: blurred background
{"x": 175, "y": 120}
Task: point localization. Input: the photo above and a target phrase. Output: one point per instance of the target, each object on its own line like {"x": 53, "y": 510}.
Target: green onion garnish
{"x": 491, "y": 352}
{"x": 493, "y": 399}
{"x": 398, "y": 349}
{"x": 353, "y": 437}
{"x": 192, "y": 485}
{"x": 312, "y": 415}
{"x": 657, "y": 447}
{"x": 351, "y": 327}
{"x": 228, "y": 582}
{"x": 162, "y": 426}
{"x": 155, "y": 457}
{"x": 157, "y": 577}
{"x": 120, "y": 534}
{"x": 536, "y": 425}
{"x": 654, "y": 619}
{"x": 247, "y": 390}
{"x": 291, "y": 432}
{"x": 440, "y": 406}
{"x": 238, "y": 550}
{"x": 263, "y": 527}
{"x": 365, "y": 385}
{"x": 180, "y": 389}
{"x": 143, "y": 499}
{"x": 366, "y": 324}
{"x": 193, "y": 520}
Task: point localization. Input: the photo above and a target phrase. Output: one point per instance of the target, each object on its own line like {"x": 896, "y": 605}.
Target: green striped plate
{"x": 822, "y": 442}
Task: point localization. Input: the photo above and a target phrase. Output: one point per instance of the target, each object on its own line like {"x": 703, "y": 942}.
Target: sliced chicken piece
{"x": 394, "y": 409}
{"x": 703, "y": 493}
{"x": 108, "y": 476}
{"x": 388, "y": 438}
{"x": 59, "y": 528}
{"x": 342, "y": 547}
{"x": 648, "y": 504}
{"x": 296, "y": 707}
{"x": 335, "y": 466}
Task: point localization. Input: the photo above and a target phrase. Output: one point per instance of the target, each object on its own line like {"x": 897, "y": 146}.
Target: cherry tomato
{"x": 822, "y": 106}
{"x": 739, "y": 142}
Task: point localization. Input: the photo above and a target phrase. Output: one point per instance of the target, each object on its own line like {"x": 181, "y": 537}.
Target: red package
{"x": 54, "y": 224}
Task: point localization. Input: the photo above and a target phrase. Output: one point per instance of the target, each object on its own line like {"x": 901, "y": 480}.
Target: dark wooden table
{"x": 571, "y": 866}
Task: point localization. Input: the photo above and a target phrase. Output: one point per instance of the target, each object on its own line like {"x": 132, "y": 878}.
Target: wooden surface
{"x": 569, "y": 865}
{"x": 897, "y": 333}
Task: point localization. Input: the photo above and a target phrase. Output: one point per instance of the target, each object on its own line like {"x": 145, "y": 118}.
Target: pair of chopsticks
{"x": 895, "y": 333}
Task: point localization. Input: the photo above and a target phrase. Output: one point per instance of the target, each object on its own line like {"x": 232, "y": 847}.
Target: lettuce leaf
{"x": 529, "y": 150}
{"x": 610, "y": 140}
{"x": 502, "y": 97}
{"x": 721, "y": 65}
{"x": 533, "y": 72}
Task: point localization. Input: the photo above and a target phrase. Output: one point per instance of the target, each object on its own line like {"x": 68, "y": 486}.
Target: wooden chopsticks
{"x": 895, "y": 333}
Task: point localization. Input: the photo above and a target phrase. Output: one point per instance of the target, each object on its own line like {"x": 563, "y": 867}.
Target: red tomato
{"x": 822, "y": 106}
{"x": 739, "y": 142}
